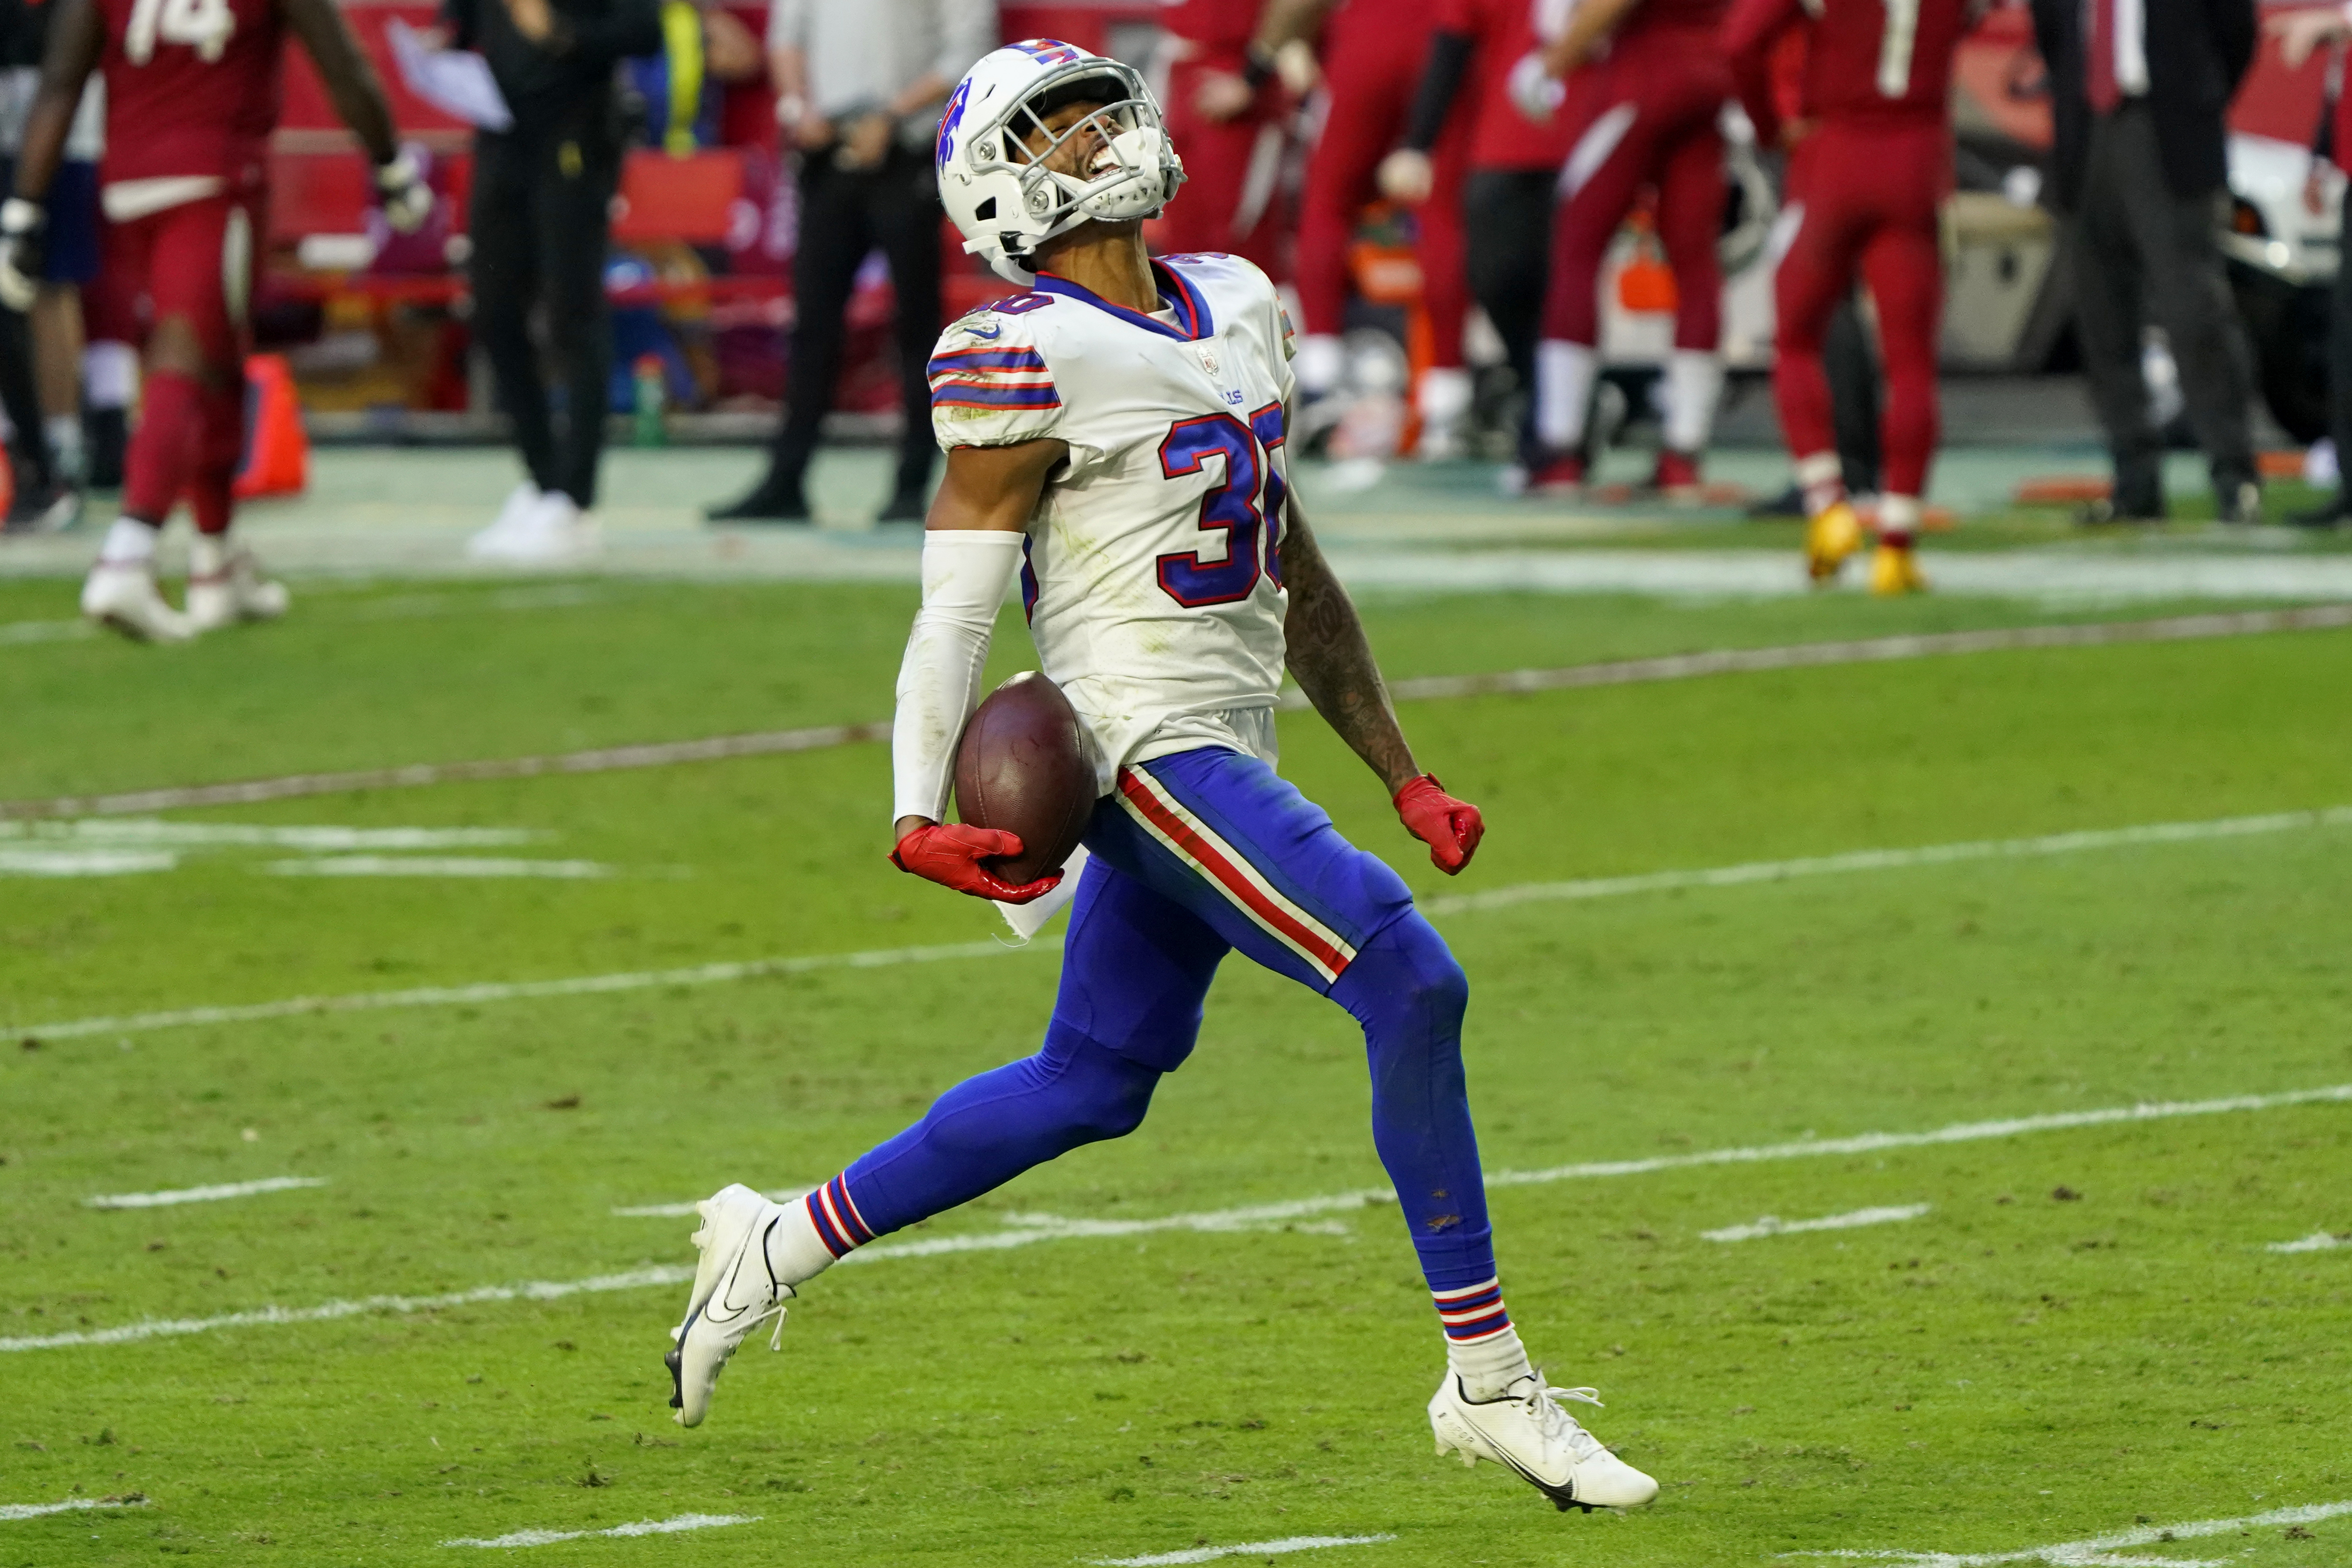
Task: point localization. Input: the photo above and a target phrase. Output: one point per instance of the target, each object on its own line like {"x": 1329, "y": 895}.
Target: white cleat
{"x": 226, "y": 585}
{"x": 124, "y": 595}
{"x": 734, "y": 1293}
{"x": 1525, "y": 1431}
{"x": 546, "y": 529}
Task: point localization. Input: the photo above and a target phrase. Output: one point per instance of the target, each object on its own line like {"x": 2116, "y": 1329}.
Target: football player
{"x": 191, "y": 96}
{"x": 1230, "y": 110}
{"x": 1371, "y": 59}
{"x": 1870, "y": 161}
{"x": 1115, "y": 440}
{"x": 1644, "y": 86}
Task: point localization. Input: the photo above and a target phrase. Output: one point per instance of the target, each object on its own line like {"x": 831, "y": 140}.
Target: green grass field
{"x": 2087, "y": 1332}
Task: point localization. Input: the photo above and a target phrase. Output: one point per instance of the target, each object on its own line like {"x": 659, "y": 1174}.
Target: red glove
{"x": 952, "y": 856}
{"x": 1451, "y": 828}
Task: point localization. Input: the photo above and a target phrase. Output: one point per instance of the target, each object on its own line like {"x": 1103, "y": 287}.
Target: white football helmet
{"x": 999, "y": 191}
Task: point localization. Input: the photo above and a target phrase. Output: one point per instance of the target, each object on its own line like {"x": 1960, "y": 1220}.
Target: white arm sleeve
{"x": 966, "y": 573}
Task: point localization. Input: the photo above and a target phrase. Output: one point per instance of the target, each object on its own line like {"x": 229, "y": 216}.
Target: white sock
{"x": 1443, "y": 395}
{"x": 208, "y": 554}
{"x": 64, "y": 431}
{"x": 1821, "y": 479}
{"x": 1495, "y": 1359}
{"x": 110, "y": 375}
{"x": 1693, "y": 384}
{"x": 129, "y": 542}
{"x": 1321, "y": 361}
{"x": 1898, "y": 519}
{"x": 814, "y": 1233}
{"x": 1564, "y": 375}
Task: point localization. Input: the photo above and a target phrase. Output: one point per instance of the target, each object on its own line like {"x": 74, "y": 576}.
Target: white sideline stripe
{"x": 18, "y": 631}
{"x": 213, "y": 1194}
{"x": 10, "y": 1511}
{"x": 1773, "y": 1225}
{"x": 437, "y": 865}
{"x": 1619, "y": 672}
{"x": 1246, "y": 1549}
{"x": 508, "y": 991}
{"x": 1034, "y": 1229}
{"x": 683, "y": 1521}
{"x": 84, "y": 862}
{"x": 1597, "y": 887}
{"x": 150, "y": 832}
{"x": 2317, "y": 1241}
{"x": 327, "y": 1312}
{"x": 2097, "y": 1552}
{"x": 1892, "y": 859}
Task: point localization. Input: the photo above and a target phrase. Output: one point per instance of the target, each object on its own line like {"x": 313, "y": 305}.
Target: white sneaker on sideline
{"x": 124, "y": 595}
{"x": 734, "y": 1293}
{"x": 1525, "y": 1431}
{"x": 543, "y": 529}
{"x": 519, "y": 500}
{"x": 226, "y": 585}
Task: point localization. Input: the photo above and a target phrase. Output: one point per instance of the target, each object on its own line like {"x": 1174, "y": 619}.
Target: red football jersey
{"x": 191, "y": 87}
{"x": 1864, "y": 58}
{"x": 1221, "y": 24}
{"x": 1671, "y": 16}
{"x": 1503, "y": 33}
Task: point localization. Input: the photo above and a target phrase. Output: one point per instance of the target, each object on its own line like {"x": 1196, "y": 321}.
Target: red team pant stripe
{"x": 1318, "y": 947}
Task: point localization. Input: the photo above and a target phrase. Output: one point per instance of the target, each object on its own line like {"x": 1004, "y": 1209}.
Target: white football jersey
{"x": 1153, "y": 582}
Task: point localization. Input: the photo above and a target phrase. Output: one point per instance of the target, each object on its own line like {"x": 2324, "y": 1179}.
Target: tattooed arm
{"x": 1332, "y": 661}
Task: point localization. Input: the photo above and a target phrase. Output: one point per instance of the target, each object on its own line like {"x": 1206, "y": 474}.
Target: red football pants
{"x": 1232, "y": 198}
{"x": 1371, "y": 75}
{"x": 1864, "y": 197}
{"x": 194, "y": 263}
{"x": 1645, "y": 118}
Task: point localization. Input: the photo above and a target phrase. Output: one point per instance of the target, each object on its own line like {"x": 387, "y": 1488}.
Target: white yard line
{"x": 1460, "y": 904}
{"x": 213, "y": 1194}
{"x": 508, "y": 991}
{"x": 2317, "y": 1241}
{"x": 1246, "y": 1549}
{"x": 14, "y": 634}
{"x": 1892, "y": 859}
{"x": 16, "y": 860}
{"x": 150, "y": 832}
{"x": 1612, "y": 672}
{"x": 1773, "y": 1225}
{"x": 683, "y": 1521}
{"x": 10, "y": 1511}
{"x": 327, "y": 1312}
{"x": 2099, "y": 1550}
{"x": 437, "y": 865}
{"x": 1028, "y": 1230}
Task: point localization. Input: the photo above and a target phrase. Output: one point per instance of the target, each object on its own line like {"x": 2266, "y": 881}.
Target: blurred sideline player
{"x": 191, "y": 95}
{"x": 1644, "y": 89}
{"x": 40, "y": 350}
{"x": 1869, "y": 165}
{"x": 1371, "y": 61}
{"x": 1226, "y": 105}
{"x": 1116, "y": 440}
{"x": 1504, "y": 200}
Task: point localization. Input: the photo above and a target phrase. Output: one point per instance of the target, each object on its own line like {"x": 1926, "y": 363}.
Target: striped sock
{"x": 1481, "y": 1345}
{"x": 814, "y": 1232}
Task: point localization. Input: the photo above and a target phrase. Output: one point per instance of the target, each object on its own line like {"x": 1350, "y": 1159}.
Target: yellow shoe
{"x": 1835, "y": 533}
{"x": 1894, "y": 570}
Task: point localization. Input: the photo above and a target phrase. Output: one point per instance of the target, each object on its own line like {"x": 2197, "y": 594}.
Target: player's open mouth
{"x": 1103, "y": 161}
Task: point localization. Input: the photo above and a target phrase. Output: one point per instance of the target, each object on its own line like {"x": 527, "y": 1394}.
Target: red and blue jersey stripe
{"x": 991, "y": 378}
{"x": 1474, "y": 1313}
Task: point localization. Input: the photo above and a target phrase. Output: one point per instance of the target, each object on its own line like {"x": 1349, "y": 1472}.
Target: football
{"x": 1022, "y": 767}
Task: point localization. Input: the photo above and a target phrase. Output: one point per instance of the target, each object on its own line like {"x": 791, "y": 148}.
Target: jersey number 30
{"x": 1246, "y": 506}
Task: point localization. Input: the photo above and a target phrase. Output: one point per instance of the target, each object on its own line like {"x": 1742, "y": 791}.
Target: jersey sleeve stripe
{"x": 955, "y": 359}
{"x": 965, "y": 395}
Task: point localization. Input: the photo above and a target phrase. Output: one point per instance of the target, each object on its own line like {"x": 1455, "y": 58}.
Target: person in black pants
{"x": 2299, "y": 33}
{"x": 2140, "y": 175}
{"x": 541, "y": 216}
{"x": 846, "y": 212}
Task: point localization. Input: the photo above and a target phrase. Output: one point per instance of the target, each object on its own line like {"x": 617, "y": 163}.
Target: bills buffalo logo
{"x": 951, "y": 119}
{"x": 1049, "y": 51}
